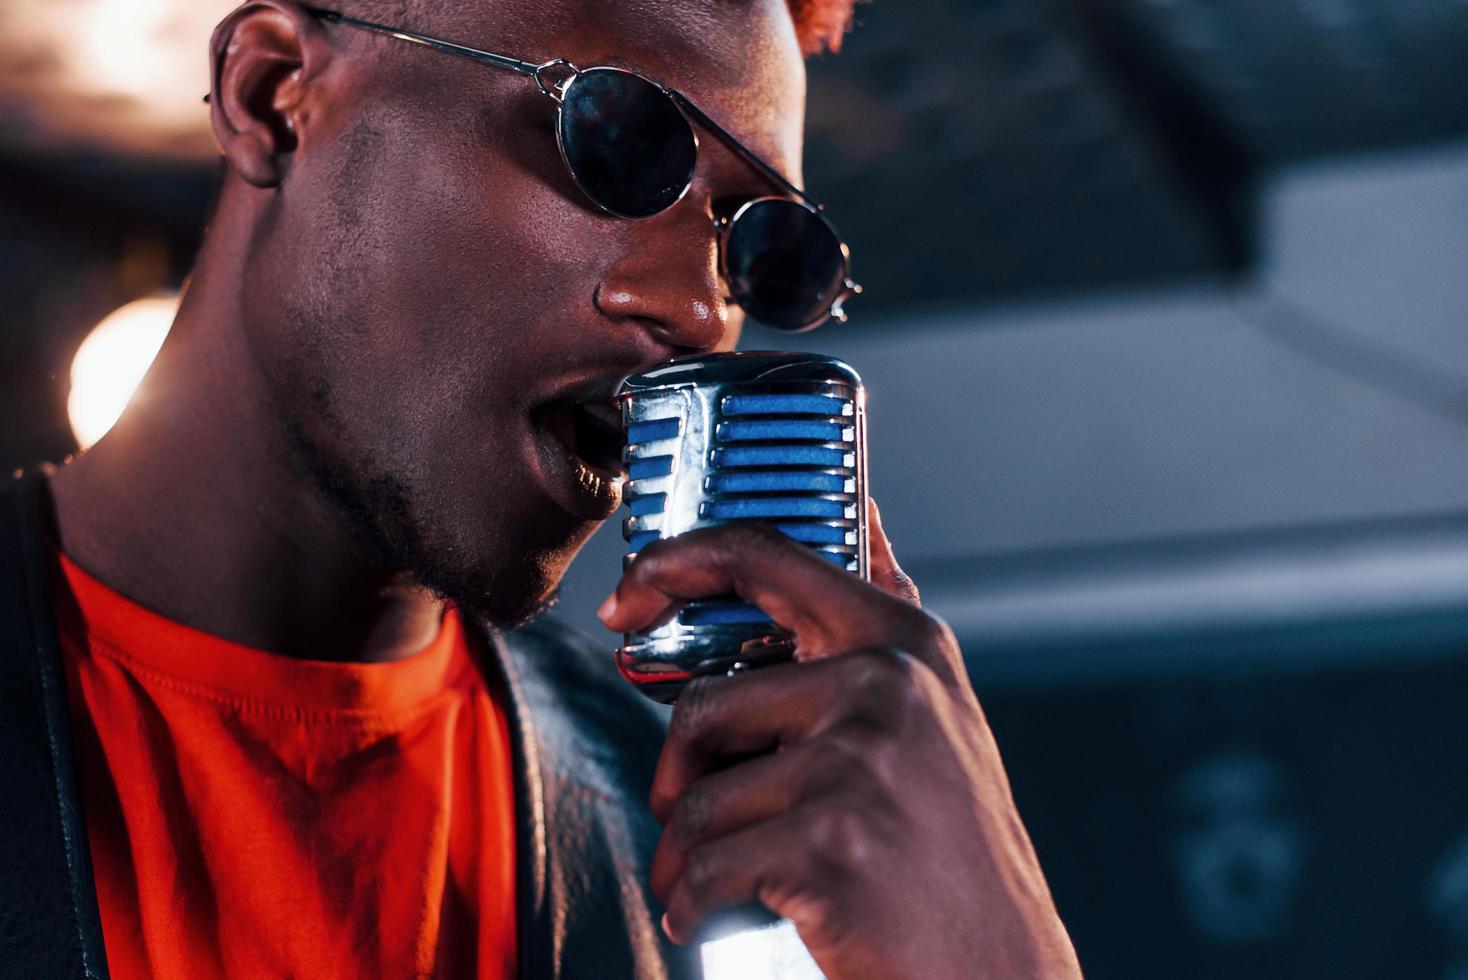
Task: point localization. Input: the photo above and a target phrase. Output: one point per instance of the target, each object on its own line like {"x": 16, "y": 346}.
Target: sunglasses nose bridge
{"x": 721, "y": 223}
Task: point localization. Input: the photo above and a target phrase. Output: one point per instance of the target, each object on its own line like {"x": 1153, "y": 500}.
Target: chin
{"x": 499, "y": 559}
{"x": 505, "y": 588}
{"x": 503, "y": 604}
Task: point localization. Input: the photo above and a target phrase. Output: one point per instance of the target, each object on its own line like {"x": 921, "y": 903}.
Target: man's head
{"x": 427, "y": 295}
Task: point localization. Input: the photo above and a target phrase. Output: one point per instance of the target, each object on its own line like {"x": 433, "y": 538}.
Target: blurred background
{"x": 1166, "y": 337}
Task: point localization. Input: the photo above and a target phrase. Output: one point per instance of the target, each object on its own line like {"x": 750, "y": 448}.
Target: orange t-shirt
{"x": 253, "y": 815}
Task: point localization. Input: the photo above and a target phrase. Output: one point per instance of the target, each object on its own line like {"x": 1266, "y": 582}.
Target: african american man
{"x": 294, "y": 722}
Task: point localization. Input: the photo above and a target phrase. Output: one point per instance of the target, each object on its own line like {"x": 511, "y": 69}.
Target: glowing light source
{"x": 112, "y": 360}
{"x": 117, "y": 46}
{"x": 774, "y": 953}
{"x": 111, "y": 76}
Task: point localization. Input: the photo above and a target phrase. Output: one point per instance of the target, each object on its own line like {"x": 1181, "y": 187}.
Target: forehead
{"x": 737, "y": 59}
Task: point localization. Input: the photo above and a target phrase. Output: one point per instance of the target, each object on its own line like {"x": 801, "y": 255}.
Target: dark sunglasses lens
{"x": 625, "y": 141}
{"x": 784, "y": 264}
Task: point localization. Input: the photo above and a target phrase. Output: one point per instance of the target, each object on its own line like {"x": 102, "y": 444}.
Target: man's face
{"x": 432, "y": 296}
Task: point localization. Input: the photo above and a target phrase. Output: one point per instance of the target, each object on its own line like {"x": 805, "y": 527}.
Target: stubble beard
{"x": 383, "y": 511}
{"x": 394, "y": 521}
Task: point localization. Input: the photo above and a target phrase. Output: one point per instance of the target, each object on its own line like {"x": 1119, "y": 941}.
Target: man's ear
{"x": 262, "y": 56}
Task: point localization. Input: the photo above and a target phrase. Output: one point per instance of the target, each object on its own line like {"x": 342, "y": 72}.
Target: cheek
{"x": 434, "y": 289}
{"x": 450, "y": 263}
{"x": 476, "y": 244}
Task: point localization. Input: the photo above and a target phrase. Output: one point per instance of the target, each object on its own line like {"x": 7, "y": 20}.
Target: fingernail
{"x": 608, "y": 608}
{"x": 666, "y": 930}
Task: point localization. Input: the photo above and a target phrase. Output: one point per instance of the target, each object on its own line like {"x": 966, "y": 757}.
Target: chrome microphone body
{"x": 726, "y": 438}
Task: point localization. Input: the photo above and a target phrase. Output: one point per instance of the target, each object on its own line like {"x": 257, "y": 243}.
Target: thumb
{"x": 887, "y": 575}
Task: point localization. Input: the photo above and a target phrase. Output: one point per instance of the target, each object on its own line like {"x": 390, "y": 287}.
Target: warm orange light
{"x": 111, "y": 362}
{"x": 109, "y": 75}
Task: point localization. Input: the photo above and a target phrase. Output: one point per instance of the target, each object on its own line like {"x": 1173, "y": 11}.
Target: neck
{"x": 192, "y": 505}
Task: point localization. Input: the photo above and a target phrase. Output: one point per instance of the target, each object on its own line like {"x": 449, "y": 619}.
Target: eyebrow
{"x": 616, "y": 61}
{"x": 531, "y": 69}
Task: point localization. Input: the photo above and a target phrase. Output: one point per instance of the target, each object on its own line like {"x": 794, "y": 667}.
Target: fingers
{"x": 748, "y": 793}
{"x": 720, "y": 875}
{"x": 719, "y": 718}
{"x": 804, "y": 829}
{"x": 723, "y": 718}
{"x": 827, "y": 608}
{"x": 783, "y": 864}
{"x": 887, "y": 575}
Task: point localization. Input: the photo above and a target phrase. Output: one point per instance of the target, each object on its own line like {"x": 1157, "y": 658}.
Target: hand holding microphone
{"x": 856, "y": 790}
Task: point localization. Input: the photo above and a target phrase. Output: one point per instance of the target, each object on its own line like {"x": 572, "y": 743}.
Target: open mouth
{"x": 592, "y": 435}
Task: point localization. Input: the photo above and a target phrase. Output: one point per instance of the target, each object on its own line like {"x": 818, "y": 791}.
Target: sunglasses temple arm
{"x": 438, "y": 44}
{"x": 738, "y": 147}
{"x": 533, "y": 70}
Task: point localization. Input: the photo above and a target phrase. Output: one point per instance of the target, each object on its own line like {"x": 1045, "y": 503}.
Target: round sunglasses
{"x": 630, "y": 146}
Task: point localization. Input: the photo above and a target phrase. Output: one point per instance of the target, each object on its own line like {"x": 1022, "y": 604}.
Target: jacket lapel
{"x": 535, "y": 924}
{"x": 49, "y": 923}
{"x": 591, "y": 743}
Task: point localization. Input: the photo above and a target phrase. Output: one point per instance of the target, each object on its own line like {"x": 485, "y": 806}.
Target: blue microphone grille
{"x": 834, "y": 457}
{"x": 788, "y": 459}
{"x": 728, "y": 438}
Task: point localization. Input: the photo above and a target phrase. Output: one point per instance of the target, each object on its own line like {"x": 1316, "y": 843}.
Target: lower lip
{"x": 587, "y": 492}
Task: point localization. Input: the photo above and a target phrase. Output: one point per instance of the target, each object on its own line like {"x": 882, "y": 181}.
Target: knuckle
{"x": 651, "y": 560}
{"x": 890, "y": 689}
{"x": 841, "y": 758}
{"x": 821, "y": 907}
{"x": 931, "y": 631}
{"x": 693, "y": 816}
{"x": 838, "y": 839}
{"x": 879, "y": 666}
{"x": 889, "y": 773}
{"x": 863, "y": 763}
{"x": 690, "y": 715}
{"x": 702, "y": 872}
{"x": 881, "y": 674}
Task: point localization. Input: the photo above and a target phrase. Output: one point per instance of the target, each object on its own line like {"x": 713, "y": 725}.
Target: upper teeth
{"x": 604, "y": 412}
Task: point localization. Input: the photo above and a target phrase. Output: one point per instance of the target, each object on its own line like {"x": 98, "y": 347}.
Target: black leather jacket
{"x": 584, "y": 745}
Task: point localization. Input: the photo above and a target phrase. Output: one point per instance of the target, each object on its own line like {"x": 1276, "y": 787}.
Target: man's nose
{"x": 667, "y": 282}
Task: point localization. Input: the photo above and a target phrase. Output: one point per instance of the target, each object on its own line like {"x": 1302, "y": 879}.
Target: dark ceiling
{"x": 977, "y": 150}
{"x": 970, "y": 151}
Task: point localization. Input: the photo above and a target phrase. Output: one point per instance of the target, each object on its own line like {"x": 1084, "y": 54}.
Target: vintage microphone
{"x": 747, "y": 436}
